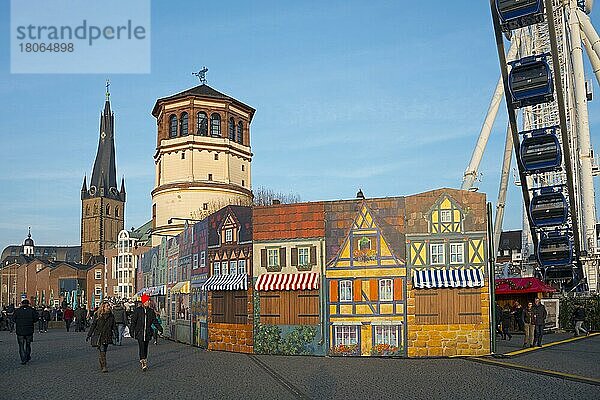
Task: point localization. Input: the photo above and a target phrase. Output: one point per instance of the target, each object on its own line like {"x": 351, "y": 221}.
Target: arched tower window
{"x": 108, "y": 209}
{"x": 173, "y": 126}
{"x": 215, "y": 125}
{"x": 116, "y": 211}
{"x": 95, "y": 209}
{"x": 231, "y": 130}
{"x": 240, "y": 132}
{"x": 87, "y": 210}
{"x": 202, "y": 124}
{"x": 183, "y": 124}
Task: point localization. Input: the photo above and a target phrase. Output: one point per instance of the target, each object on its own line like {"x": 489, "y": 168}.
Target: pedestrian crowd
{"x": 108, "y": 324}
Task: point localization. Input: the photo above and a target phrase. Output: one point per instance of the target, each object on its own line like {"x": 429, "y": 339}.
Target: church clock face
{"x": 93, "y": 190}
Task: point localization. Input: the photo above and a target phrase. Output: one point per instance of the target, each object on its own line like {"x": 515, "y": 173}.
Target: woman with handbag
{"x": 102, "y": 331}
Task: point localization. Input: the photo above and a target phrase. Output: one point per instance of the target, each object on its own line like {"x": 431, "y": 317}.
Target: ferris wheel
{"x": 540, "y": 51}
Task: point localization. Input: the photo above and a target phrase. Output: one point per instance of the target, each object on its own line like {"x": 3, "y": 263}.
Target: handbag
{"x": 95, "y": 340}
{"x": 126, "y": 332}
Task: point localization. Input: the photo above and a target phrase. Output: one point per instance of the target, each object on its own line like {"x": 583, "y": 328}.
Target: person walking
{"x": 101, "y": 332}
{"x": 579, "y": 317}
{"x": 45, "y": 317}
{"x": 528, "y": 325}
{"x": 141, "y": 328}
{"x": 121, "y": 321}
{"x": 539, "y": 320}
{"x": 518, "y": 313}
{"x": 25, "y": 318}
{"x": 10, "y": 310}
{"x": 506, "y": 314}
{"x": 68, "y": 317}
{"x": 80, "y": 318}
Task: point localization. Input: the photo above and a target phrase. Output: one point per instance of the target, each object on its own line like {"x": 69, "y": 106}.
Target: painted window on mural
{"x": 242, "y": 267}
{"x": 386, "y": 290}
{"x": 446, "y": 216}
{"x": 346, "y": 335}
{"x": 98, "y": 290}
{"x": 345, "y": 290}
{"x": 228, "y": 235}
{"x": 232, "y": 267}
{"x": 437, "y": 253}
{"x": 273, "y": 257}
{"x": 98, "y": 273}
{"x": 203, "y": 258}
{"x": 386, "y": 334}
{"x": 195, "y": 261}
{"x": 303, "y": 256}
{"x": 456, "y": 253}
{"x": 216, "y": 268}
{"x": 224, "y": 268}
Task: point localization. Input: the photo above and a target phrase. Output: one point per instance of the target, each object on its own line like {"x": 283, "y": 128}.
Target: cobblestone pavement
{"x": 64, "y": 366}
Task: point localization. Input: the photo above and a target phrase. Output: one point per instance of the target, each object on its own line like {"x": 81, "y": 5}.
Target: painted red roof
{"x": 289, "y": 221}
{"x": 521, "y": 285}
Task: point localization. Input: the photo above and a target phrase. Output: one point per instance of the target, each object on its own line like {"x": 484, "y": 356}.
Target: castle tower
{"x": 28, "y": 245}
{"x": 102, "y": 204}
{"x": 202, "y": 157}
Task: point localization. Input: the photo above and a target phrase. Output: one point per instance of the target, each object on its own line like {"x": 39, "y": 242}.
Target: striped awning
{"x": 181, "y": 287}
{"x": 226, "y": 282}
{"x": 300, "y": 281}
{"x": 444, "y": 278}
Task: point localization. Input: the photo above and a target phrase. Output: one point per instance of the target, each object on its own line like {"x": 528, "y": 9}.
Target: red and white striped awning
{"x": 300, "y": 281}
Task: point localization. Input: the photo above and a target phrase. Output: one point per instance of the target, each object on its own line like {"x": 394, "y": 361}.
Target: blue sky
{"x": 388, "y": 96}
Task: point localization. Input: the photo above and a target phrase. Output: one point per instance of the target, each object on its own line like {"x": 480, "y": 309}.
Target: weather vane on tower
{"x": 107, "y": 92}
{"x": 201, "y": 75}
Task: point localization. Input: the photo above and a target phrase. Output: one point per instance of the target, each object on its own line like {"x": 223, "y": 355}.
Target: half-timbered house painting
{"x": 198, "y": 276}
{"x": 289, "y": 247}
{"x": 366, "y": 280}
{"x": 448, "y": 289}
{"x": 229, "y": 294}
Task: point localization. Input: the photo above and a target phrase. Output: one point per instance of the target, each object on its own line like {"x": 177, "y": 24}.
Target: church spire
{"x": 104, "y": 173}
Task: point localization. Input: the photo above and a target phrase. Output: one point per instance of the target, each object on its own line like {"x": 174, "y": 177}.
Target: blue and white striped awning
{"x": 444, "y": 278}
{"x": 226, "y": 282}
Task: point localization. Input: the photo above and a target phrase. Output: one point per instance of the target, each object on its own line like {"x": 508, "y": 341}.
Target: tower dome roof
{"x": 29, "y": 240}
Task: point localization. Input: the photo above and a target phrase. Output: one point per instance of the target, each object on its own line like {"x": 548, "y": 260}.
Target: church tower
{"x": 202, "y": 156}
{"x": 102, "y": 204}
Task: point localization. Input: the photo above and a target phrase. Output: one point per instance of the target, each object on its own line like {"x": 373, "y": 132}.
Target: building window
{"x": 216, "y": 268}
{"x": 446, "y": 216}
{"x": 215, "y": 125}
{"x": 345, "y": 290}
{"x": 456, "y": 253}
{"x": 195, "y": 261}
{"x": 216, "y": 156}
{"x": 202, "y": 124}
{"x": 203, "y": 258}
{"x": 242, "y": 267}
{"x": 183, "y": 155}
{"x": 98, "y": 274}
{"x": 346, "y": 335}
{"x": 183, "y": 125}
{"x": 303, "y": 256}
{"x": 240, "y": 133}
{"x": 98, "y": 290}
{"x": 386, "y": 334}
{"x": 386, "y": 290}
{"x": 173, "y": 126}
{"x": 232, "y": 267}
{"x": 243, "y": 167}
{"x": 116, "y": 211}
{"x": 243, "y": 183}
{"x": 108, "y": 209}
{"x": 364, "y": 243}
{"x": 437, "y": 253}
{"x": 273, "y": 258}
{"x": 229, "y": 235}
{"x": 231, "y": 131}
{"x": 224, "y": 268}
{"x": 210, "y": 177}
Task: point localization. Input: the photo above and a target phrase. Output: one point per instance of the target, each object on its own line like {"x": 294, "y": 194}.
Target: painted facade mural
{"x": 230, "y": 312}
{"x": 397, "y": 276}
{"x": 448, "y": 294}
{"x": 289, "y": 246}
{"x": 366, "y": 286}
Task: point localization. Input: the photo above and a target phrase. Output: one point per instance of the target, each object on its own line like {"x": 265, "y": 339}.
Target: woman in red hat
{"x": 141, "y": 328}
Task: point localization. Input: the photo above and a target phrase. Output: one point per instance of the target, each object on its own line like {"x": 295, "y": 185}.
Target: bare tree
{"x": 264, "y": 197}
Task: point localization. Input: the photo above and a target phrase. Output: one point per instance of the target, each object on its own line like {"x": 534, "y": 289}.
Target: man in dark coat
{"x": 121, "y": 321}
{"x": 80, "y": 315}
{"x": 539, "y": 320}
{"x": 141, "y": 328}
{"x": 25, "y": 318}
{"x": 578, "y": 318}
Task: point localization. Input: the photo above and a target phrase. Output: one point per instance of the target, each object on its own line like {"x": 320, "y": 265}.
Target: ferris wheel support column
{"x": 508, "y": 150}
{"x": 585, "y": 153}
{"x": 593, "y": 57}
{"x": 470, "y": 174}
